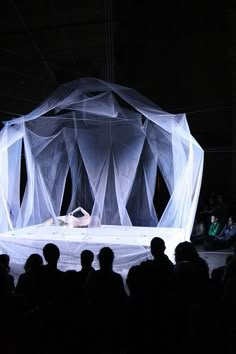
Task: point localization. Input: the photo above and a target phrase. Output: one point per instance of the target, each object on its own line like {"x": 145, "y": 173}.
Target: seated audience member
{"x": 5, "y": 261}
{"x": 4, "y": 281}
{"x": 51, "y": 278}
{"x": 185, "y": 251}
{"x": 151, "y": 286}
{"x": 86, "y": 260}
{"x": 208, "y": 209}
{"x": 226, "y": 237}
{"x": 229, "y": 294}
{"x": 107, "y": 303}
{"x": 28, "y": 282}
{"x": 193, "y": 299}
{"x": 151, "y": 274}
{"x": 217, "y": 274}
{"x": 222, "y": 209}
{"x": 199, "y": 231}
{"x": 218, "y": 279}
{"x": 160, "y": 267}
{"x": 186, "y": 283}
{"x": 106, "y": 286}
{"x": 158, "y": 247}
{"x": 229, "y": 231}
{"x": 76, "y": 282}
{"x": 133, "y": 282}
{"x": 214, "y": 227}
{"x": 230, "y": 267}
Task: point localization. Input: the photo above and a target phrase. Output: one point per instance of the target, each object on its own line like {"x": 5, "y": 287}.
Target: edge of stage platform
{"x": 105, "y": 233}
{"x": 129, "y": 243}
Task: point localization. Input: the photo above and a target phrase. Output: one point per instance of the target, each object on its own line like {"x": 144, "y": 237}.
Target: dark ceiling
{"x": 177, "y": 53}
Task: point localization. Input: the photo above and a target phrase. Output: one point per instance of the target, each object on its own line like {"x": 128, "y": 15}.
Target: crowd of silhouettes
{"x": 161, "y": 307}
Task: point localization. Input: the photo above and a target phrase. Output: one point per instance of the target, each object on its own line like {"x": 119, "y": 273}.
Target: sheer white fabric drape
{"x": 111, "y": 140}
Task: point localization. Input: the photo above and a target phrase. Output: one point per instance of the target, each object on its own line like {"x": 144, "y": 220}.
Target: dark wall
{"x": 178, "y": 56}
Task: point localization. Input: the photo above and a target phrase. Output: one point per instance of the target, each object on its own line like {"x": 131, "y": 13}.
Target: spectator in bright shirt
{"x": 214, "y": 228}
{"x": 226, "y": 238}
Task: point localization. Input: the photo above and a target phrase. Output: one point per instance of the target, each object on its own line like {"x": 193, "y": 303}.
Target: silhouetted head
{"x": 51, "y": 253}
{"x": 86, "y": 258}
{"x": 230, "y": 270}
{"x": 106, "y": 257}
{"x": 5, "y": 260}
{"x": 157, "y": 246}
{"x": 33, "y": 262}
{"x": 230, "y": 258}
{"x": 4, "y": 280}
{"x": 185, "y": 251}
{"x": 133, "y": 279}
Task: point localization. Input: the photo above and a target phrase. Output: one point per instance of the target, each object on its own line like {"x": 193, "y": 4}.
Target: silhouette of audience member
{"x": 28, "y": 282}
{"x": 107, "y": 298}
{"x": 12, "y": 312}
{"x": 230, "y": 266}
{"x": 152, "y": 275}
{"x": 106, "y": 286}
{"x": 192, "y": 303}
{"x": 228, "y": 301}
{"x": 5, "y": 261}
{"x": 86, "y": 260}
{"x": 152, "y": 289}
{"x": 217, "y": 274}
{"x": 159, "y": 271}
{"x": 4, "y": 281}
{"x": 51, "y": 278}
{"x": 222, "y": 209}
{"x": 186, "y": 283}
{"x": 133, "y": 281}
{"x": 158, "y": 252}
{"x": 75, "y": 305}
{"x": 195, "y": 299}
{"x": 185, "y": 251}
{"x": 208, "y": 209}
{"x": 199, "y": 231}
{"x": 76, "y": 282}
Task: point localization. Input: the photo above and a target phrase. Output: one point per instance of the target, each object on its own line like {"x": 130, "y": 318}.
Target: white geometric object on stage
{"x": 111, "y": 141}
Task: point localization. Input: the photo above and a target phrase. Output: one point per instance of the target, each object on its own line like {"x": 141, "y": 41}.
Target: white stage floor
{"x": 129, "y": 243}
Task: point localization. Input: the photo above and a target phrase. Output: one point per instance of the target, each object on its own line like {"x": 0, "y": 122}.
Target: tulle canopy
{"x": 109, "y": 141}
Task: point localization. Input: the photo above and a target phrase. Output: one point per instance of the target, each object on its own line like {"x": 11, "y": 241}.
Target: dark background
{"x": 180, "y": 54}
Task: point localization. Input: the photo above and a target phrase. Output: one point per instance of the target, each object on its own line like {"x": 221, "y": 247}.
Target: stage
{"x": 129, "y": 243}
